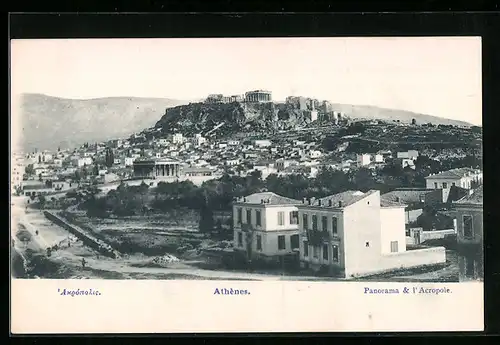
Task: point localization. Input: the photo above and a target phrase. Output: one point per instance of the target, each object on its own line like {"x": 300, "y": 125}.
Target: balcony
{"x": 317, "y": 238}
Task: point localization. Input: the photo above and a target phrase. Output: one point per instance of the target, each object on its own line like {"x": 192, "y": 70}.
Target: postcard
{"x": 246, "y": 185}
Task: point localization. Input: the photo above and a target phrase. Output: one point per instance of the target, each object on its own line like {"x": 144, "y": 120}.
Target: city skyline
{"x": 434, "y": 76}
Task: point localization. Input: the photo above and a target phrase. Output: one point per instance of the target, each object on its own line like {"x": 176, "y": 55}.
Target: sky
{"x": 438, "y": 76}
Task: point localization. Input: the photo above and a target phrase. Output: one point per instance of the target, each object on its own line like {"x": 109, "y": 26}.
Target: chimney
{"x": 340, "y": 203}
{"x": 330, "y": 203}
{"x": 244, "y": 199}
{"x": 304, "y": 200}
{"x": 319, "y": 202}
{"x": 261, "y": 201}
{"x": 310, "y": 201}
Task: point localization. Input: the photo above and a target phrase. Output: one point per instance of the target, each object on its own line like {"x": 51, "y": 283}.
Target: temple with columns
{"x": 157, "y": 168}
{"x": 258, "y": 96}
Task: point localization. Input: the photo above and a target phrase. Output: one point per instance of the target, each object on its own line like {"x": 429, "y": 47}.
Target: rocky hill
{"x": 234, "y": 117}
{"x": 201, "y": 117}
{"x": 49, "y": 122}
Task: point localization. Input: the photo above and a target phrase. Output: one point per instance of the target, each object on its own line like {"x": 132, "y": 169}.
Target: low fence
{"x": 94, "y": 243}
{"x": 423, "y": 236}
{"x": 402, "y": 260}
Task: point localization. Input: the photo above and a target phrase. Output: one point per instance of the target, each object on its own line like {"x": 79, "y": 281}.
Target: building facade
{"x": 466, "y": 178}
{"x": 363, "y": 159}
{"x": 354, "y": 234}
{"x": 266, "y": 227}
{"x": 258, "y": 96}
{"x": 469, "y": 216}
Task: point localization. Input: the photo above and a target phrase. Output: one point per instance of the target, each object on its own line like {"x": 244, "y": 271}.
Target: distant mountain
{"x": 372, "y": 112}
{"x": 49, "y": 122}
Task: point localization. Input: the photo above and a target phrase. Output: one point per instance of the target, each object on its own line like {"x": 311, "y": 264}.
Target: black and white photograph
{"x": 250, "y": 159}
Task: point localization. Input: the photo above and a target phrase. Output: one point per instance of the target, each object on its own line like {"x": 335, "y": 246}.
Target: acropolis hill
{"x": 255, "y": 110}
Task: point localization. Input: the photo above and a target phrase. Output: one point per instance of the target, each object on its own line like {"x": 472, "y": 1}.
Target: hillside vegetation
{"x": 372, "y": 112}
{"x": 50, "y": 122}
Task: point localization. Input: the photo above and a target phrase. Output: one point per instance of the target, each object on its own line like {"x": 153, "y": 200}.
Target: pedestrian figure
{"x": 83, "y": 262}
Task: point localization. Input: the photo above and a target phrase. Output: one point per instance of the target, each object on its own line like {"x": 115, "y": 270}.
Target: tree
{"x": 84, "y": 173}
{"x": 363, "y": 179}
{"x": 29, "y": 169}
{"x": 413, "y": 121}
{"x": 206, "y": 220}
{"x": 77, "y": 176}
{"x": 40, "y": 177}
{"x": 96, "y": 169}
{"x": 110, "y": 157}
{"x": 42, "y": 201}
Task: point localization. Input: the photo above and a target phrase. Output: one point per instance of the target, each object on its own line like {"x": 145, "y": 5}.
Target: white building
{"x": 58, "y": 162}
{"x": 233, "y": 142}
{"x": 163, "y": 142}
{"x": 129, "y": 161}
{"x": 178, "y": 138}
{"x": 410, "y": 154}
{"x": 313, "y": 154}
{"x": 378, "y": 158}
{"x": 82, "y": 161}
{"x": 264, "y": 169}
{"x": 466, "y": 178}
{"x": 232, "y": 162}
{"x": 354, "y": 234}
{"x": 407, "y": 163}
{"x": 199, "y": 140}
{"x": 262, "y": 143}
{"x": 265, "y": 226}
{"x": 282, "y": 164}
{"x": 363, "y": 159}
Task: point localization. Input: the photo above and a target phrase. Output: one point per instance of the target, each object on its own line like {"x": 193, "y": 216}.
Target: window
{"x": 335, "y": 253}
{"x": 294, "y": 241}
{"x": 281, "y": 218}
{"x": 324, "y": 223}
{"x": 240, "y": 239}
{"x": 306, "y": 249}
{"x": 435, "y": 185}
{"x": 258, "y": 219}
{"x": 305, "y": 221}
{"x": 367, "y": 244}
{"x": 315, "y": 251}
{"x": 249, "y": 216}
{"x": 394, "y": 246}
{"x": 239, "y": 216}
{"x": 469, "y": 267}
{"x": 315, "y": 222}
{"x": 325, "y": 251}
{"x": 281, "y": 242}
{"x": 467, "y": 222}
{"x": 259, "y": 242}
{"x": 294, "y": 217}
{"x": 445, "y": 185}
{"x": 334, "y": 225}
